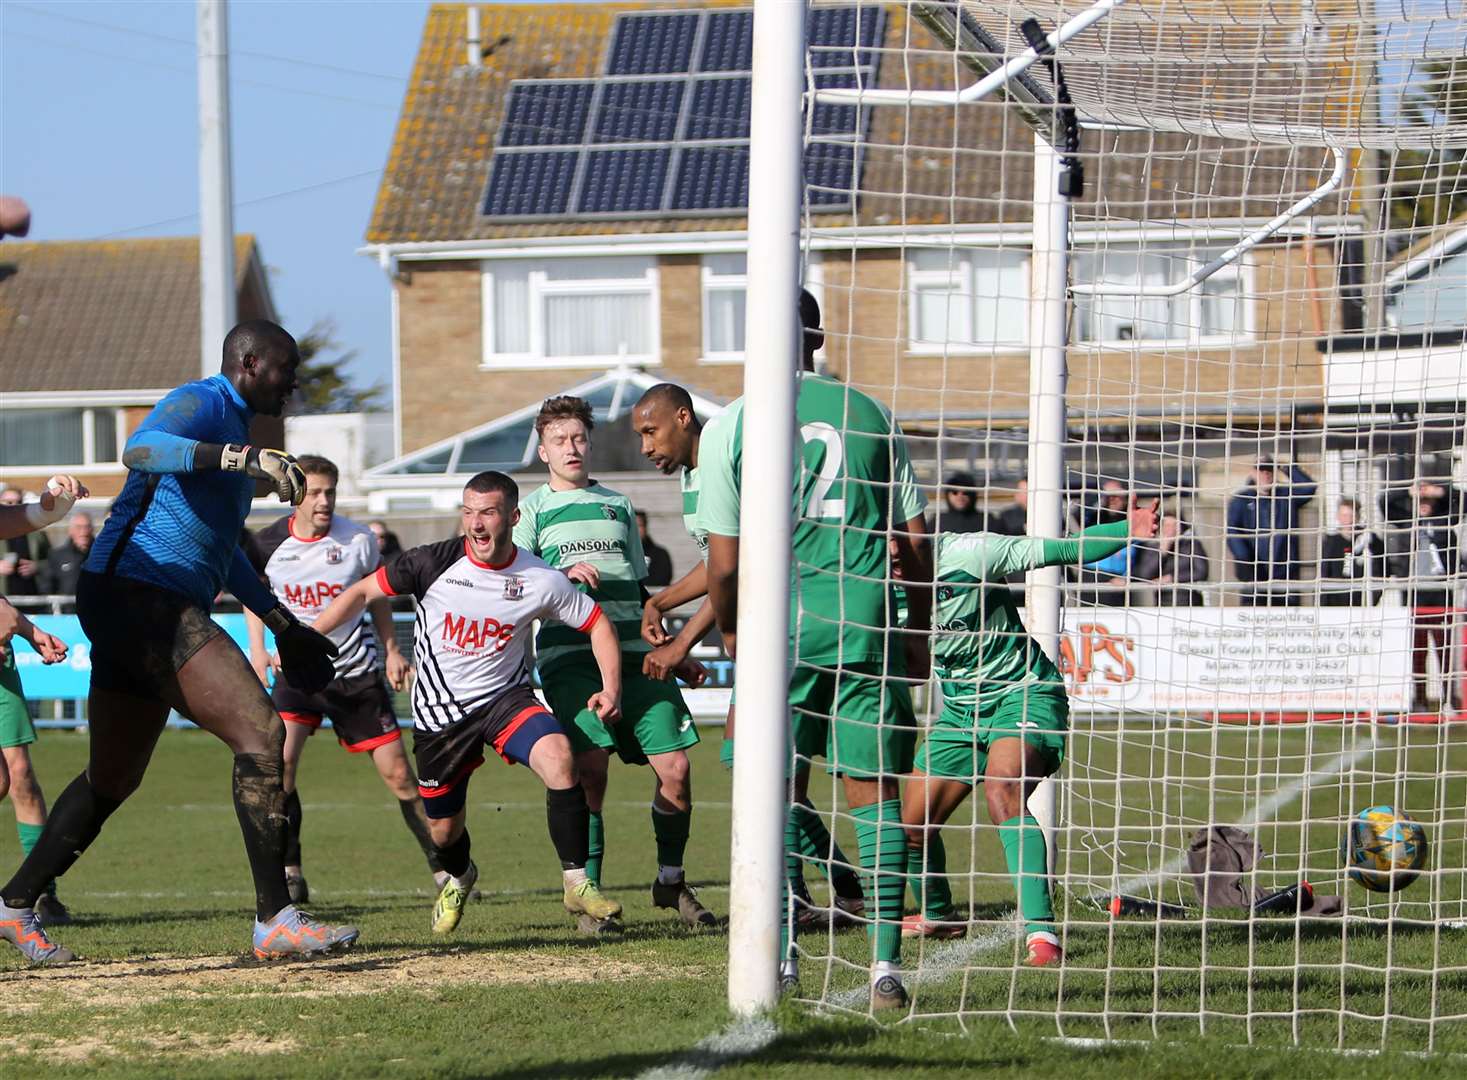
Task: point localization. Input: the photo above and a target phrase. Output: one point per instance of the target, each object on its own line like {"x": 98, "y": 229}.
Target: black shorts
{"x": 511, "y": 725}
{"x": 141, "y": 635}
{"x": 360, "y": 708}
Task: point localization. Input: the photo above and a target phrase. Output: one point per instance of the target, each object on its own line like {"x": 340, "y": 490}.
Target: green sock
{"x": 597, "y": 848}
{"x": 929, "y": 883}
{"x": 1028, "y": 859}
{"x": 814, "y": 842}
{"x": 883, "y": 846}
{"x": 725, "y": 754}
{"x": 29, "y": 834}
{"x": 671, "y": 829}
{"x": 794, "y": 865}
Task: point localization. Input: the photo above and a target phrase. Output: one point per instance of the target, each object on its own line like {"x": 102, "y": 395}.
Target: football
{"x": 1384, "y": 850}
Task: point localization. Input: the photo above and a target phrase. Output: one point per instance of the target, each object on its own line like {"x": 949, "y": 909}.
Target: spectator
{"x": 388, "y": 545}
{"x": 1175, "y": 558}
{"x": 659, "y": 562}
{"x": 1350, "y": 553}
{"x": 1113, "y": 504}
{"x": 959, "y": 512}
{"x": 1263, "y": 530}
{"x": 1013, "y": 519}
{"x": 21, "y": 557}
{"x": 64, "y": 564}
{"x": 1434, "y": 565}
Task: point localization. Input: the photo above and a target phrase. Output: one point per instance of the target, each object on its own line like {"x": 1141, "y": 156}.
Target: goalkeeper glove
{"x": 276, "y": 466}
{"x": 305, "y": 655}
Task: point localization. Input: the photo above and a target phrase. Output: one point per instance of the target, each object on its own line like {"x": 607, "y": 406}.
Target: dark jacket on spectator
{"x": 33, "y": 548}
{"x": 948, "y": 520}
{"x": 1012, "y": 520}
{"x": 1186, "y": 561}
{"x": 659, "y": 564}
{"x": 1263, "y": 527}
{"x": 63, "y": 568}
{"x": 1356, "y": 557}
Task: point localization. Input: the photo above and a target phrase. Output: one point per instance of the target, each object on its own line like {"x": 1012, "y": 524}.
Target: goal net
{"x": 1287, "y": 651}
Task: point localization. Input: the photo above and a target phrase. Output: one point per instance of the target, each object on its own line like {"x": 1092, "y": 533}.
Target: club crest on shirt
{"x": 608, "y": 512}
{"x": 334, "y": 555}
{"x": 514, "y": 588}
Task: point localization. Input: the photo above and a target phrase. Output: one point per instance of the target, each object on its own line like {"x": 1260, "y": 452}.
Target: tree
{"x": 325, "y": 386}
{"x": 1429, "y": 187}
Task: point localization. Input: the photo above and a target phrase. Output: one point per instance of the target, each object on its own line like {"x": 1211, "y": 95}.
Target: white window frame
{"x": 90, "y": 462}
{"x": 542, "y": 287}
{"x": 710, "y": 282}
{"x": 1242, "y": 271}
{"x": 958, "y": 275}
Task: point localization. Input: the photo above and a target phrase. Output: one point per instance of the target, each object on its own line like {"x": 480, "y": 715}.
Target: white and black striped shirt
{"x": 474, "y": 623}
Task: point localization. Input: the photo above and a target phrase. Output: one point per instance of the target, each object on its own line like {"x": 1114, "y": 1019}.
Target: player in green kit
{"x": 587, "y": 530}
{"x": 848, "y": 691}
{"x": 1005, "y": 714}
{"x": 670, "y": 432}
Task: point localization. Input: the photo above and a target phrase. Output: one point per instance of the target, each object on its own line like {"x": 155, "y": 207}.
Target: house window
{"x": 1433, "y": 300}
{"x": 570, "y": 312}
{"x": 1213, "y": 311}
{"x": 45, "y": 437}
{"x": 724, "y": 291}
{"x": 966, "y": 298}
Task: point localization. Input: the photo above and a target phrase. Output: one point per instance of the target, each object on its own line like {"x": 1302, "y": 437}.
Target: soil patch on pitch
{"x": 129, "y": 983}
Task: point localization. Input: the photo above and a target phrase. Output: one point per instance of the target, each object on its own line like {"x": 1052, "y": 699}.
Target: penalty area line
{"x": 741, "y": 1039}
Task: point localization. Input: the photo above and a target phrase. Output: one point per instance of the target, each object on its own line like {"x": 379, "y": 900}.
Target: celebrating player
{"x": 670, "y": 432}
{"x": 586, "y": 529}
{"x": 476, "y": 598}
{"x": 847, "y": 692}
{"x": 144, "y": 599}
{"x": 308, "y": 558}
{"x": 17, "y": 733}
{"x": 1004, "y": 717}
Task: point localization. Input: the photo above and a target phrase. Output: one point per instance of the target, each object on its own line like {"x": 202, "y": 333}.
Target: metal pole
{"x": 773, "y": 351}
{"x": 217, "y": 298}
{"x": 1048, "y": 336}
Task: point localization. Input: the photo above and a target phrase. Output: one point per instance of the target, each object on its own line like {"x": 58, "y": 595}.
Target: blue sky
{"x": 98, "y": 132}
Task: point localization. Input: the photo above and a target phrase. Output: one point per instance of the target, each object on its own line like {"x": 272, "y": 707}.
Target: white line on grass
{"x": 1260, "y": 813}
{"x": 741, "y": 1039}
{"x": 943, "y": 960}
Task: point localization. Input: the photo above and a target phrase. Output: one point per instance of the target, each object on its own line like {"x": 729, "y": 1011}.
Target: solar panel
{"x": 712, "y": 178}
{"x": 652, "y": 44}
{"x": 531, "y": 183}
{"x": 638, "y": 112}
{"x": 545, "y": 112}
{"x": 728, "y": 43}
{"x": 719, "y": 109}
{"x": 666, "y": 129}
{"x": 624, "y": 181}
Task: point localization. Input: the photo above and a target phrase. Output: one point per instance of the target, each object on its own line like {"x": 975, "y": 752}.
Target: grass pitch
{"x": 163, "y": 907}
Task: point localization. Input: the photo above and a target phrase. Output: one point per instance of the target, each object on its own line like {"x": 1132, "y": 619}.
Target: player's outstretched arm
{"x": 349, "y": 604}
{"x": 914, "y": 554}
{"x": 723, "y": 585}
{"x": 606, "y": 648}
{"x": 259, "y": 655}
{"x": 663, "y": 662}
{"x": 684, "y": 590}
{"x": 398, "y": 666}
{"x": 56, "y": 502}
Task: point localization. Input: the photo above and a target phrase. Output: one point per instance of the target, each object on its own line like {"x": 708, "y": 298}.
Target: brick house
{"x": 923, "y": 275}
{"x": 92, "y": 335}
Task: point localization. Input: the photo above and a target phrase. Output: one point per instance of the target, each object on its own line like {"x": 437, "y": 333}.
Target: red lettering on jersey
{"x": 315, "y": 595}
{"x": 472, "y": 636}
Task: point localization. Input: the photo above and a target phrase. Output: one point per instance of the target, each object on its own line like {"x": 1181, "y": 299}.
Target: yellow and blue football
{"x": 1384, "y": 850}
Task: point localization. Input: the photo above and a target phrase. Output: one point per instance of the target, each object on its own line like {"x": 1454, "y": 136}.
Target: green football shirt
{"x": 853, "y": 484}
{"x": 980, "y": 647}
{"x": 690, "y": 512}
{"x": 596, "y": 525}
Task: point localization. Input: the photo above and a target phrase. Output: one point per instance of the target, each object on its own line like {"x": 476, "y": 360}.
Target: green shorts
{"x": 957, "y": 744}
{"x": 16, "y": 728}
{"x": 654, "y": 717}
{"x": 859, "y": 721}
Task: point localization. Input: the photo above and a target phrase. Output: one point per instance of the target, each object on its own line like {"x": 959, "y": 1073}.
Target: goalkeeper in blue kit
{"x": 1004, "y": 720}
{"x": 144, "y": 598}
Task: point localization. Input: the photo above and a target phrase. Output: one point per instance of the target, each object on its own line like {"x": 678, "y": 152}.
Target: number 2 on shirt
{"x": 820, "y": 507}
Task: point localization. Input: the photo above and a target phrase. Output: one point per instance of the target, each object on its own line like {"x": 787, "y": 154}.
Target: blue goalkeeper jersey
{"x": 173, "y": 527}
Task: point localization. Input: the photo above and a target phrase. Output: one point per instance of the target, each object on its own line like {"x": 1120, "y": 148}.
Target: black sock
{"x": 259, "y": 803}
{"x": 455, "y": 857}
{"x": 76, "y": 819}
{"x": 846, "y": 884}
{"x": 293, "y": 829}
{"x": 570, "y": 825}
{"x": 417, "y": 823}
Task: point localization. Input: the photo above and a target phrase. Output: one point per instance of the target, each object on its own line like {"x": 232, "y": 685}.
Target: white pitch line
{"x": 1260, "y": 813}
{"x": 741, "y": 1039}
{"x": 940, "y": 962}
